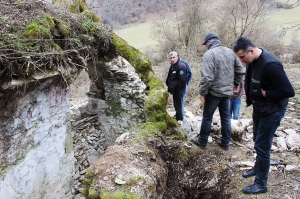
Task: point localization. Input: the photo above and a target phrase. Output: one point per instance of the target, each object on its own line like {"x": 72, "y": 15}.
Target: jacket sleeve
{"x": 207, "y": 74}
{"x": 247, "y": 85}
{"x": 189, "y": 73}
{"x": 241, "y": 88}
{"x": 239, "y": 71}
{"x": 282, "y": 87}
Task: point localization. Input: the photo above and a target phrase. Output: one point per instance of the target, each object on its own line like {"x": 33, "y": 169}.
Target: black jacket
{"x": 267, "y": 73}
{"x": 177, "y": 77}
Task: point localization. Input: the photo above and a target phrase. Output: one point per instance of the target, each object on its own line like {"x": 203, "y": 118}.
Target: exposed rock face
{"x": 36, "y": 144}
{"x": 36, "y": 137}
{"x": 116, "y": 102}
{"x": 117, "y": 95}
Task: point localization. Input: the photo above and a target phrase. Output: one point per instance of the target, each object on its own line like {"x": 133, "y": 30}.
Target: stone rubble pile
{"x": 286, "y": 138}
{"x": 88, "y": 144}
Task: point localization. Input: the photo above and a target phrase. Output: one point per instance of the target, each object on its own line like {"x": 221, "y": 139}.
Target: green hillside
{"x": 139, "y": 36}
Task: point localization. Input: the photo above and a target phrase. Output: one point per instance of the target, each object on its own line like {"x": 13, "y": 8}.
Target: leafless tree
{"x": 181, "y": 27}
{"x": 235, "y": 18}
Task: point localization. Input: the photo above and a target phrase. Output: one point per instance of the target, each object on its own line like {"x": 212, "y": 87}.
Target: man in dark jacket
{"x": 268, "y": 90}
{"x": 176, "y": 82}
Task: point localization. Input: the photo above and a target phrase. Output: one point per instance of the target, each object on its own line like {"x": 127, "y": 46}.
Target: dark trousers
{"x": 178, "y": 101}
{"x": 210, "y": 105}
{"x": 264, "y": 128}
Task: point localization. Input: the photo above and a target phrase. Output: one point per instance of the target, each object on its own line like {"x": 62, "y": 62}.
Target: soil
{"x": 184, "y": 180}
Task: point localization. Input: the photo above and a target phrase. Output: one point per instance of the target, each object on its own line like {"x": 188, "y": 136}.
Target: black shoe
{"x": 249, "y": 173}
{"x": 255, "y": 189}
{"x": 223, "y": 146}
{"x": 199, "y": 144}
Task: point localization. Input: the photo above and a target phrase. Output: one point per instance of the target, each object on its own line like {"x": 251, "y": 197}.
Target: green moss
{"x": 156, "y": 104}
{"x": 32, "y": 31}
{"x": 150, "y": 129}
{"x": 40, "y": 28}
{"x": 96, "y": 19}
{"x": 76, "y": 6}
{"x": 56, "y": 47}
{"x": 44, "y": 32}
{"x": 140, "y": 62}
{"x": 93, "y": 194}
{"x": 89, "y": 192}
{"x": 89, "y": 26}
{"x": 175, "y": 133}
{"x": 81, "y": 7}
{"x": 119, "y": 195}
{"x": 63, "y": 27}
{"x": 88, "y": 179}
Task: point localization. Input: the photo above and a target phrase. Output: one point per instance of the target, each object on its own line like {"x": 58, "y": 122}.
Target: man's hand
{"x": 235, "y": 88}
{"x": 202, "y": 98}
{"x": 263, "y": 92}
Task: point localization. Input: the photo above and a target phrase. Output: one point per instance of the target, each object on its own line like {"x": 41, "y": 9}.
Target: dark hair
{"x": 243, "y": 44}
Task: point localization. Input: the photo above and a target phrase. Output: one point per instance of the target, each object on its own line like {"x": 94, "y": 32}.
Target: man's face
{"x": 173, "y": 59}
{"x": 207, "y": 44}
{"x": 246, "y": 57}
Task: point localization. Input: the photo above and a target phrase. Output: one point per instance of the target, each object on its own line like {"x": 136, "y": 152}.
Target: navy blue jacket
{"x": 188, "y": 71}
{"x": 177, "y": 78}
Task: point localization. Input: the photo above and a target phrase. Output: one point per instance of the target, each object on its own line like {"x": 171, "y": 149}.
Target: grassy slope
{"x": 287, "y": 18}
{"x": 139, "y": 36}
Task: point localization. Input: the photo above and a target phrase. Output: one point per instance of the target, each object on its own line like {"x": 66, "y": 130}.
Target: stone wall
{"x": 117, "y": 95}
{"x": 116, "y": 103}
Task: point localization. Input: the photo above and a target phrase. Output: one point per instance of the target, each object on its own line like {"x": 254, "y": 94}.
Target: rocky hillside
{"x": 119, "y": 143}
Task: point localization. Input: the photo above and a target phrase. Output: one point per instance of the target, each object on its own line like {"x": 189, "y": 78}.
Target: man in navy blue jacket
{"x": 176, "y": 82}
{"x": 268, "y": 90}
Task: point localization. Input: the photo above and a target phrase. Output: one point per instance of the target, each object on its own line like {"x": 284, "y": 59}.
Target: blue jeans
{"x": 184, "y": 97}
{"x": 210, "y": 105}
{"x": 264, "y": 128}
{"x": 234, "y": 108}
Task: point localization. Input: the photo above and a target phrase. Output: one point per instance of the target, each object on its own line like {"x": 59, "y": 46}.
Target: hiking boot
{"x": 199, "y": 144}
{"x": 255, "y": 189}
{"x": 223, "y": 146}
{"x": 249, "y": 173}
